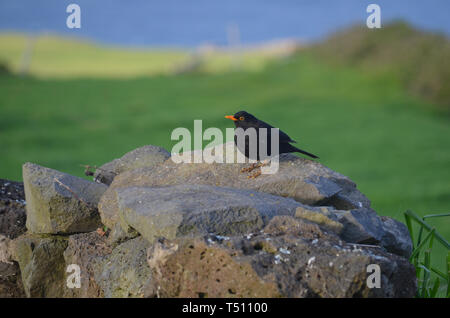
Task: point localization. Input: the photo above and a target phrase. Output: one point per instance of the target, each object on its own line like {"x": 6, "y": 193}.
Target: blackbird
{"x": 244, "y": 120}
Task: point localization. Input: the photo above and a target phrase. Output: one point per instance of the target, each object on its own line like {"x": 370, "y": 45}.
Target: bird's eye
{"x": 241, "y": 118}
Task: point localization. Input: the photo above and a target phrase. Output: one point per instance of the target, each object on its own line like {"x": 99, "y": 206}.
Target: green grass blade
{"x": 435, "y": 288}
{"x": 426, "y": 274}
{"x": 422, "y": 266}
{"x": 430, "y": 245}
{"x": 417, "y": 219}
{"x": 438, "y": 272}
{"x": 422, "y": 244}
{"x": 409, "y": 225}
{"x": 435, "y": 215}
{"x": 418, "y": 272}
{"x": 419, "y": 238}
{"x": 448, "y": 274}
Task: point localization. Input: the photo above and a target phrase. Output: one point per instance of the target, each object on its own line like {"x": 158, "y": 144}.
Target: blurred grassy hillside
{"x": 419, "y": 59}
{"x": 363, "y": 124}
{"x": 49, "y": 56}
{"x": 53, "y": 56}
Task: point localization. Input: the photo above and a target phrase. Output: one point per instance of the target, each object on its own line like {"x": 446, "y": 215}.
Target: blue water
{"x": 190, "y": 23}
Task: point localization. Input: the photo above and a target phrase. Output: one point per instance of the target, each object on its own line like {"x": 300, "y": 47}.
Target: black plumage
{"x": 245, "y": 121}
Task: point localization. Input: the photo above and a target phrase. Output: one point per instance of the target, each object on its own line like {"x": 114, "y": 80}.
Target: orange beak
{"x": 231, "y": 117}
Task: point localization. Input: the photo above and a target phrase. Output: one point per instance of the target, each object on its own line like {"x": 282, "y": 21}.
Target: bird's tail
{"x": 295, "y": 149}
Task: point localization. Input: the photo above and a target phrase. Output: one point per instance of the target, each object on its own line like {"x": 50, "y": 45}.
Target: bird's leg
{"x": 252, "y": 167}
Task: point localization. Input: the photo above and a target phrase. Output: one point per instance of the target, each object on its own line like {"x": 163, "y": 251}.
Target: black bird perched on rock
{"x": 245, "y": 120}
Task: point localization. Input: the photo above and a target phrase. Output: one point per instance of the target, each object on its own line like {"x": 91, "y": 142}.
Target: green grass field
{"x": 363, "y": 125}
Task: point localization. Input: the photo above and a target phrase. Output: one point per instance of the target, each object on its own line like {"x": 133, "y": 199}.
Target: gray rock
{"x": 206, "y": 230}
{"x": 11, "y": 190}
{"x": 58, "y": 202}
{"x": 323, "y": 216}
{"x": 12, "y": 218}
{"x": 146, "y": 156}
{"x": 121, "y": 233}
{"x": 290, "y": 258}
{"x": 86, "y": 250}
{"x": 306, "y": 181}
{"x": 12, "y": 225}
{"x": 349, "y": 198}
{"x": 361, "y": 226}
{"x": 198, "y": 209}
{"x": 12, "y": 209}
{"x": 314, "y": 263}
{"x": 396, "y": 237}
{"x": 10, "y": 281}
{"x": 42, "y": 264}
{"x": 124, "y": 272}
{"x": 177, "y": 210}
{"x": 189, "y": 268}
{"x": 5, "y": 249}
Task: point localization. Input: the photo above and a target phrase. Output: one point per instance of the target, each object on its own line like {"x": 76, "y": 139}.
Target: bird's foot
{"x": 255, "y": 175}
{"x": 253, "y": 167}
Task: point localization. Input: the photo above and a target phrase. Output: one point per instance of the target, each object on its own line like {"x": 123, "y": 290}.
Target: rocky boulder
{"x": 167, "y": 229}
{"x": 10, "y": 280}
{"x": 146, "y": 156}
{"x": 289, "y": 258}
{"x": 124, "y": 272}
{"x": 60, "y": 203}
{"x": 195, "y": 209}
{"x": 308, "y": 182}
{"x": 41, "y": 264}
{"x": 304, "y": 180}
{"x": 12, "y": 225}
{"x": 12, "y": 208}
{"x": 86, "y": 250}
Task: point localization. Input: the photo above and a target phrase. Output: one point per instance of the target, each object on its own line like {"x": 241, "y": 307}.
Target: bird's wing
{"x": 283, "y": 136}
